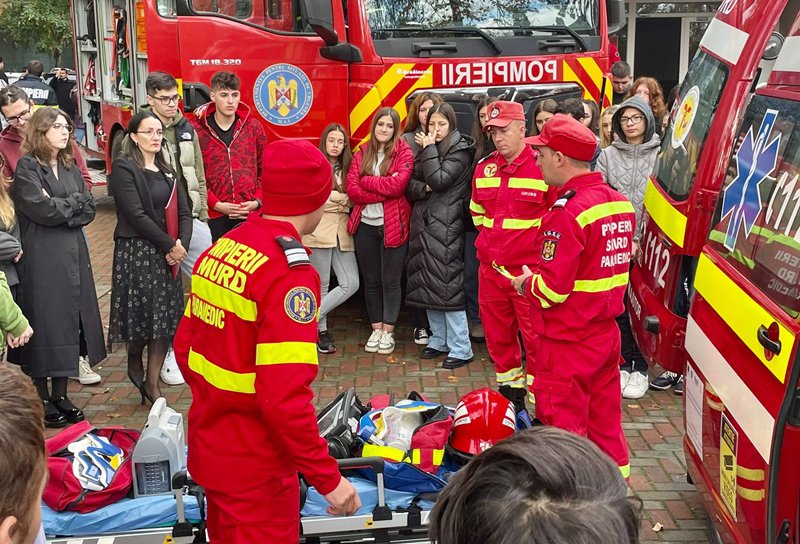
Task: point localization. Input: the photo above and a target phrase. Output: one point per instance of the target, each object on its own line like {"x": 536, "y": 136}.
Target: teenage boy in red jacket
{"x": 232, "y": 142}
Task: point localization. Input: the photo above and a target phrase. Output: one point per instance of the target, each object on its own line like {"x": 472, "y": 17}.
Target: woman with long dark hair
{"x": 376, "y": 183}
{"x": 146, "y": 296}
{"x": 436, "y": 247}
{"x": 332, "y": 244}
{"x": 56, "y": 288}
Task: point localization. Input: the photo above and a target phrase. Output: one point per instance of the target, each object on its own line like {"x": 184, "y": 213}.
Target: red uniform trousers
{"x": 267, "y": 514}
{"x": 577, "y": 389}
{"x": 505, "y": 314}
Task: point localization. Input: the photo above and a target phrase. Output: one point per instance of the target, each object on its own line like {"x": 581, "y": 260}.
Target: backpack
{"x": 63, "y": 490}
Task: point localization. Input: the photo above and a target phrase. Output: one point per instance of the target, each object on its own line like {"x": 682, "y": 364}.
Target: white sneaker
{"x": 373, "y": 341}
{"x": 170, "y": 373}
{"x": 624, "y": 378}
{"x": 637, "y": 386}
{"x": 86, "y": 375}
{"x": 386, "y": 344}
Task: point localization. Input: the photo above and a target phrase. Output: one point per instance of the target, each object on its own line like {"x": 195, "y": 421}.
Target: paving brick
{"x": 653, "y": 424}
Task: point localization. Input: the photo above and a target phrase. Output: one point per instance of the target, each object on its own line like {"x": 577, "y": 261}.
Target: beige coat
{"x": 333, "y": 226}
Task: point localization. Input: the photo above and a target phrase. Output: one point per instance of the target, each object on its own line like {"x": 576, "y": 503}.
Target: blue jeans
{"x": 450, "y": 332}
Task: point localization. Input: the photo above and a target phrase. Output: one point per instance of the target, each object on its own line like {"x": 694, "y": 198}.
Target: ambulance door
{"x": 272, "y": 46}
{"x": 742, "y": 330}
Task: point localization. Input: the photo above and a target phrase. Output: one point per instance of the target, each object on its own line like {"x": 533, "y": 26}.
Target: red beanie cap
{"x": 296, "y": 178}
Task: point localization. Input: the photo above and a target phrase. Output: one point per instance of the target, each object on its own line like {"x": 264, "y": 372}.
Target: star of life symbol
{"x": 755, "y": 161}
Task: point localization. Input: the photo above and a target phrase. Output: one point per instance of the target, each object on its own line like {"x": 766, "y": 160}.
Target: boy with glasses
{"x": 17, "y": 109}
{"x": 184, "y": 154}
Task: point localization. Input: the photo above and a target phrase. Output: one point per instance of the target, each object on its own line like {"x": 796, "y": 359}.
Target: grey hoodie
{"x": 628, "y": 166}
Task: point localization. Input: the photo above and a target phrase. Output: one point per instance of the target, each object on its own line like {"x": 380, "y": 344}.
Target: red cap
{"x": 567, "y": 135}
{"x": 296, "y": 179}
{"x": 502, "y": 112}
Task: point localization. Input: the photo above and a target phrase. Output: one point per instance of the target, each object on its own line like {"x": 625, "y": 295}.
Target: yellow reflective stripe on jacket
{"x": 527, "y": 183}
{"x": 521, "y": 224}
{"x": 474, "y": 207}
{"x": 478, "y": 220}
{"x": 281, "y": 353}
{"x": 625, "y": 470}
{"x": 488, "y": 222}
{"x": 372, "y": 450}
{"x": 223, "y": 298}
{"x": 187, "y": 311}
{"x": 487, "y": 183}
{"x": 227, "y": 380}
{"x": 601, "y": 211}
{"x": 603, "y": 284}
{"x": 549, "y": 293}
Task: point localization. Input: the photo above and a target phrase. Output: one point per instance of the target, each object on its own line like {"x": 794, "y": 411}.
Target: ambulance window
{"x": 757, "y": 220}
{"x": 683, "y": 141}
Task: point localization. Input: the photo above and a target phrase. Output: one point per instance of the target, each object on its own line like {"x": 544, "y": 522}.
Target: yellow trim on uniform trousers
{"x": 601, "y": 211}
{"x": 223, "y": 298}
{"x": 221, "y": 378}
{"x": 281, "y": 353}
{"x": 513, "y": 378}
{"x": 625, "y": 470}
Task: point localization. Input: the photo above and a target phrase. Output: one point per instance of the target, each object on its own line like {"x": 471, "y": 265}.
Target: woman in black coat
{"x": 435, "y": 270}
{"x": 56, "y": 287}
{"x": 146, "y": 292}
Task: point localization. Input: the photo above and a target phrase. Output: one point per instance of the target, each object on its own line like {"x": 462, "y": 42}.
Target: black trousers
{"x": 382, "y": 268}
{"x": 220, "y": 226}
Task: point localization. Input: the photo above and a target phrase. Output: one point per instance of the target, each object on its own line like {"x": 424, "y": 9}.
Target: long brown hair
{"x": 445, "y": 110}
{"x": 342, "y": 163}
{"x": 481, "y": 138}
{"x": 412, "y": 121}
{"x": 7, "y": 216}
{"x": 35, "y": 142}
{"x": 656, "y": 95}
{"x": 371, "y": 152}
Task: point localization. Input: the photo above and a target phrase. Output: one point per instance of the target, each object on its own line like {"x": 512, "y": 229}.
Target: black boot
{"x": 71, "y": 413}
{"x": 516, "y": 395}
{"x": 53, "y": 419}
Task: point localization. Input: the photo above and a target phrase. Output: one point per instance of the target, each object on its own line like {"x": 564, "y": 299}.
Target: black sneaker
{"x": 665, "y": 381}
{"x": 421, "y": 336}
{"x": 678, "y": 388}
{"x": 325, "y": 343}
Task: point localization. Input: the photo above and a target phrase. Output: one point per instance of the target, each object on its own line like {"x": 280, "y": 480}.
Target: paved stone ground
{"x": 652, "y": 424}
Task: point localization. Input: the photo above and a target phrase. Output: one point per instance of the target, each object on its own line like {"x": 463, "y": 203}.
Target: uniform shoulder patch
{"x": 300, "y": 305}
{"x": 296, "y": 254}
{"x": 562, "y": 201}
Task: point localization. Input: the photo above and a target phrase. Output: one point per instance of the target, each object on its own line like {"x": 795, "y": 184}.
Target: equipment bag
{"x": 64, "y": 490}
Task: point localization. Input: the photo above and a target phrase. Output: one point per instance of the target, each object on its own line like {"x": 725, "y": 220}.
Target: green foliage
{"x": 42, "y": 24}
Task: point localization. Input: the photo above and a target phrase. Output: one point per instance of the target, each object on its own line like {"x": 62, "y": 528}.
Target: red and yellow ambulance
{"x": 742, "y": 379}
{"x": 736, "y": 51}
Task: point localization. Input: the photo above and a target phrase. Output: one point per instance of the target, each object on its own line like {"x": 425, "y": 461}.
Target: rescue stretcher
{"x": 388, "y": 516}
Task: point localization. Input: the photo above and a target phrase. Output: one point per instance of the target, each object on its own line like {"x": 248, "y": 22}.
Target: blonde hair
{"x": 606, "y": 141}
{"x": 7, "y": 214}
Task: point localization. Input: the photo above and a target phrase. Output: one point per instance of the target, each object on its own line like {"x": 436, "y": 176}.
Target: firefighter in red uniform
{"x": 509, "y": 199}
{"x": 577, "y": 285}
{"x": 247, "y": 348}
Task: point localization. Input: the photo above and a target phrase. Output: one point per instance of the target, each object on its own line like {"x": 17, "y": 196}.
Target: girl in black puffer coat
{"x": 437, "y": 189}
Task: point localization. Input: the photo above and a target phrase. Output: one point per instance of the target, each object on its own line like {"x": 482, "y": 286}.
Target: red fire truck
{"x": 306, "y": 63}
{"x": 742, "y": 379}
{"x": 736, "y": 52}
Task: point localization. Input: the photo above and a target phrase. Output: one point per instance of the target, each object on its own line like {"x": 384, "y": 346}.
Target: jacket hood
{"x": 642, "y": 106}
{"x": 209, "y": 108}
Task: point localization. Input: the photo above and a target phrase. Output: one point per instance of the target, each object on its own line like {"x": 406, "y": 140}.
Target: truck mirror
{"x": 774, "y": 46}
{"x": 319, "y": 16}
{"x": 615, "y": 14}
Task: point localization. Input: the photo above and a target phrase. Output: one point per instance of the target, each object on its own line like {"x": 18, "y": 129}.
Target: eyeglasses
{"x": 632, "y": 120}
{"x": 151, "y": 133}
{"x": 167, "y": 100}
{"x": 61, "y": 126}
{"x": 24, "y": 116}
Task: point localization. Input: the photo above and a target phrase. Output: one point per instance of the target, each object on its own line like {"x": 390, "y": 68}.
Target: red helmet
{"x": 483, "y": 418}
